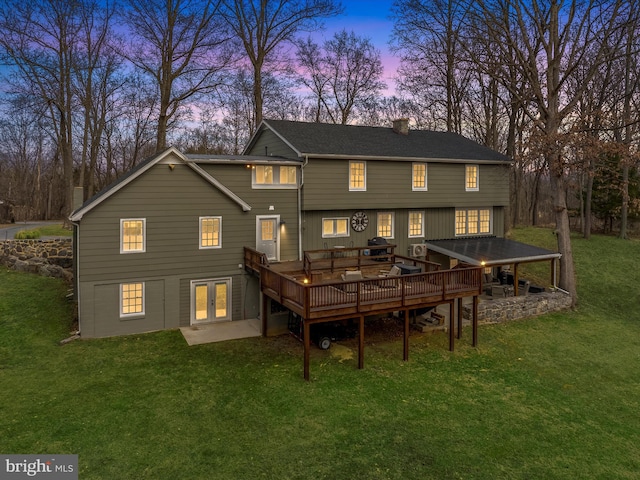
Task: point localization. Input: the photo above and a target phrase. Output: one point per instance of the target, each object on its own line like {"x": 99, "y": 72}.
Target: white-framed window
{"x": 131, "y": 299}
{"x": 335, "y": 227}
{"x": 419, "y": 177}
{"x": 132, "y": 235}
{"x": 416, "y": 223}
{"x": 287, "y": 175}
{"x": 264, "y": 174}
{"x": 210, "y": 232}
{"x": 473, "y": 221}
{"x": 471, "y": 178}
{"x": 357, "y": 176}
{"x": 385, "y": 224}
{"x": 274, "y": 176}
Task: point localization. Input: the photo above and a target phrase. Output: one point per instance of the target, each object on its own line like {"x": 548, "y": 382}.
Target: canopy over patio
{"x": 494, "y": 251}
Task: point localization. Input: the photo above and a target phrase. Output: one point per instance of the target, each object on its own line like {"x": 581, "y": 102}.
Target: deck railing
{"x": 336, "y": 259}
{"x": 253, "y": 259}
{"x": 340, "y": 298}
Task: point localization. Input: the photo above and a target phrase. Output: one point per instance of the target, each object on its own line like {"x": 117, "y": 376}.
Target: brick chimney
{"x": 401, "y": 126}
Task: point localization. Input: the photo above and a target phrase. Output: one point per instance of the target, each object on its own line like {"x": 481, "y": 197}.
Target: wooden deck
{"x": 312, "y": 288}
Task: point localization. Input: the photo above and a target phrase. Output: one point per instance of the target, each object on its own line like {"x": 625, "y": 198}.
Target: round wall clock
{"x": 359, "y": 221}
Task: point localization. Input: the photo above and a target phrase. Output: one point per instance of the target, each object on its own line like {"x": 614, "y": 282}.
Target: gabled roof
{"x": 324, "y": 140}
{"x": 146, "y": 165}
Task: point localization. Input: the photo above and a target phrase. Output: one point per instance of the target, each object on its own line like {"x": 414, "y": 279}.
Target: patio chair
{"x": 524, "y": 289}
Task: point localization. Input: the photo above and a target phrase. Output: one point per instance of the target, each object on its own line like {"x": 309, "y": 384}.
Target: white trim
{"x": 393, "y": 224}
{"x": 144, "y": 235}
{"x": 209, "y": 282}
{"x": 135, "y": 314}
{"x": 78, "y": 214}
{"x": 277, "y": 173}
{"x": 276, "y": 232}
{"x": 209, "y": 247}
{"x": 335, "y": 224}
{"x": 198, "y": 169}
{"x": 422, "y": 227}
{"x": 466, "y": 225}
{"x": 364, "y": 175}
{"x": 466, "y": 178}
{"x": 426, "y": 177}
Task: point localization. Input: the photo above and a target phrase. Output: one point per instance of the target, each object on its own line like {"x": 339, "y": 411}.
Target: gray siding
{"x": 439, "y": 224}
{"x": 171, "y": 202}
{"x": 389, "y": 186}
{"x": 270, "y": 144}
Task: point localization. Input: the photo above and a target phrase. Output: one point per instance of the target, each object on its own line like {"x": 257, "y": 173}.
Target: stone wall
{"x": 514, "y": 308}
{"x": 51, "y": 258}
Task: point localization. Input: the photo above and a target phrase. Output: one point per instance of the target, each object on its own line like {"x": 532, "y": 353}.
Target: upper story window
{"x": 471, "y": 182}
{"x": 385, "y": 224}
{"x": 131, "y": 299}
{"x": 357, "y": 176}
{"x": 419, "y": 177}
{"x": 132, "y": 235}
{"x": 473, "y": 221}
{"x": 416, "y": 224}
{"x": 210, "y": 232}
{"x": 274, "y": 176}
{"x": 335, "y": 227}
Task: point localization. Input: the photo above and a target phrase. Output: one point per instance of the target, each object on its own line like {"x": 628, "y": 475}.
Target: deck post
{"x": 475, "y": 320}
{"x": 451, "y": 327}
{"x": 459, "y": 318}
{"x": 405, "y": 355}
{"x": 305, "y": 328}
{"x": 516, "y": 280}
{"x": 361, "y": 342}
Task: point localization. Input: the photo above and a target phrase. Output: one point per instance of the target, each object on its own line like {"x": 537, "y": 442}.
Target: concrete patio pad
{"x": 219, "y": 332}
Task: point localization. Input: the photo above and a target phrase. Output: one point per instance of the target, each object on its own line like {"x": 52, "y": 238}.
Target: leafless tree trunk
{"x": 344, "y": 75}
{"x": 264, "y": 25}
{"x": 180, "y": 45}
{"x": 39, "y": 39}
{"x": 552, "y": 38}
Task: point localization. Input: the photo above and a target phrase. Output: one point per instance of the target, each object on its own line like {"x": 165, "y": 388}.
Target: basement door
{"x": 210, "y": 301}
{"x": 267, "y": 238}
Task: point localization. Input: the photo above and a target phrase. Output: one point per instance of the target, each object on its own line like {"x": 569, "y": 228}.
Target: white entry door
{"x": 267, "y": 237}
{"x": 210, "y": 301}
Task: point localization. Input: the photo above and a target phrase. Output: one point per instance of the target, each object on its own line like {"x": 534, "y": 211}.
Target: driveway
{"x": 7, "y": 233}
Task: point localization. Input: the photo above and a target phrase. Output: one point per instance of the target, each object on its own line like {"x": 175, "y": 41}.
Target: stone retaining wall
{"x": 514, "y": 308}
{"x": 51, "y": 258}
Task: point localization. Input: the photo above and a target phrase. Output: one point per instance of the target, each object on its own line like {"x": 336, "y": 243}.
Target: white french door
{"x": 210, "y": 301}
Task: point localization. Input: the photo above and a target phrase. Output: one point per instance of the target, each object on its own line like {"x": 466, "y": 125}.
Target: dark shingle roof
{"x": 320, "y": 139}
{"x": 490, "y": 251}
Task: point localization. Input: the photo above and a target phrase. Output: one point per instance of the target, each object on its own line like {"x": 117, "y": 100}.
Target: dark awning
{"x": 489, "y": 251}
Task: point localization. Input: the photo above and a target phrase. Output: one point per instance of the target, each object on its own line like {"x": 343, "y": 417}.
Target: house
{"x": 163, "y": 247}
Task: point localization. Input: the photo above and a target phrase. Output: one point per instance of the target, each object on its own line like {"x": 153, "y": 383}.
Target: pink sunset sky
{"x": 370, "y": 19}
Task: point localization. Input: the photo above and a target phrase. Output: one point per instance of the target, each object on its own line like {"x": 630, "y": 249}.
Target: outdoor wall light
{"x": 282, "y": 223}
{"x": 171, "y": 166}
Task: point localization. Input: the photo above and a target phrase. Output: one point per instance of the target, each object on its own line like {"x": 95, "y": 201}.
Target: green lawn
{"x": 546, "y": 398}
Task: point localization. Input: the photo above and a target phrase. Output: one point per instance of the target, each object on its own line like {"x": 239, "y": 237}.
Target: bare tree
{"x": 343, "y": 75}
{"x": 550, "y": 39}
{"x": 38, "y": 39}
{"x": 427, "y": 34}
{"x": 97, "y": 66}
{"x": 181, "y": 46}
{"x": 265, "y": 25}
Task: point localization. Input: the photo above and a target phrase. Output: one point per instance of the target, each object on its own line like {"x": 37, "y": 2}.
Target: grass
{"x": 556, "y": 397}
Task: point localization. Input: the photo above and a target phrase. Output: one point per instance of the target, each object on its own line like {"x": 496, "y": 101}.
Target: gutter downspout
{"x": 304, "y": 164}
{"x": 76, "y": 268}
